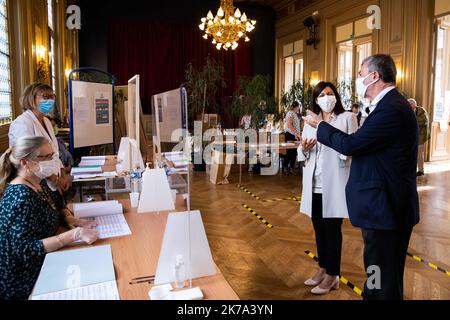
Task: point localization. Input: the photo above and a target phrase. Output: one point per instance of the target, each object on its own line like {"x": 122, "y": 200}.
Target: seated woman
{"x": 30, "y": 214}
{"x": 38, "y": 100}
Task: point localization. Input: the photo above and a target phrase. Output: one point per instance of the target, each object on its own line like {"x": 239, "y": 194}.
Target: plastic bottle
{"x": 180, "y": 274}
{"x": 136, "y": 178}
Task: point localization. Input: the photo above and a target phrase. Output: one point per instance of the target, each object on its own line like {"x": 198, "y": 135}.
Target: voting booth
{"x": 91, "y": 108}
{"x": 169, "y": 117}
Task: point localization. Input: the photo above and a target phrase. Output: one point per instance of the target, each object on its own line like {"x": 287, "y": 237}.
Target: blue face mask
{"x": 46, "y": 106}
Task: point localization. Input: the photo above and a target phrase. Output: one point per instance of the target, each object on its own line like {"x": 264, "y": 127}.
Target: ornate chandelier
{"x": 227, "y": 27}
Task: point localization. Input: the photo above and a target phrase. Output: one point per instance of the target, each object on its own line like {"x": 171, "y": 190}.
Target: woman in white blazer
{"x": 324, "y": 179}
{"x": 37, "y": 101}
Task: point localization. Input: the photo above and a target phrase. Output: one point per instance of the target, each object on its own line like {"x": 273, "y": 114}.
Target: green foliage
{"x": 300, "y": 91}
{"x": 202, "y": 85}
{"x": 120, "y": 96}
{"x": 94, "y": 76}
{"x": 347, "y": 91}
{"x": 253, "y": 97}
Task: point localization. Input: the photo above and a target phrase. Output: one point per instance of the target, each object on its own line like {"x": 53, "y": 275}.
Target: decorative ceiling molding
{"x": 283, "y": 8}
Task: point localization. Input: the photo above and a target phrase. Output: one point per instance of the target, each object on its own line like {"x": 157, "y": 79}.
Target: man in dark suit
{"x": 381, "y": 192}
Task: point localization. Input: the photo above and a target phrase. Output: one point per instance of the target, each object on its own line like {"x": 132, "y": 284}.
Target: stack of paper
{"x": 107, "y": 214}
{"x": 93, "y": 158}
{"x": 107, "y": 174}
{"x": 83, "y": 274}
{"x": 86, "y": 170}
{"x": 180, "y": 163}
{"x": 90, "y": 163}
{"x": 175, "y": 156}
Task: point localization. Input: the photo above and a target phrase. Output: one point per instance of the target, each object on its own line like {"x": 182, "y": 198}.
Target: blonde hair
{"x": 28, "y": 97}
{"x": 26, "y": 148}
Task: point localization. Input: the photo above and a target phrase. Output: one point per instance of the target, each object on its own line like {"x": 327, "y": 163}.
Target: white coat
{"x": 28, "y": 125}
{"x": 335, "y": 170}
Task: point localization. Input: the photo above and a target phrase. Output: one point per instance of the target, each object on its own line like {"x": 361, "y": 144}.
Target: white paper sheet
{"x": 175, "y": 156}
{"x": 107, "y": 214}
{"x": 112, "y": 226}
{"x": 95, "y": 175}
{"x": 71, "y": 269}
{"x": 81, "y": 109}
{"x": 93, "y": 158}
{"x": 96, "y": 209}
{"x": 84, "y": 170}
{"x": 180, "y": 163}
{"x": 92, "y": 163}
{"x": 101, "y": 291}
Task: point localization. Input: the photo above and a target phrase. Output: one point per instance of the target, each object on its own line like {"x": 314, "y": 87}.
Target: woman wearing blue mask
{"x": 38, "y": 100}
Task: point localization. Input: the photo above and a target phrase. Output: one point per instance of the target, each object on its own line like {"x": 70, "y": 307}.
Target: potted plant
{"x": 300, "y": 91}
{"x": 202, "y": 85}
{"x": 253, "y": 98}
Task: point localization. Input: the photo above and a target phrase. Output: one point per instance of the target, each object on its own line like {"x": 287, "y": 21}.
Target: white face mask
{"x": 327, "y": 103}
{"x": 46, "y": 168}
{"x": 361, "y": 88}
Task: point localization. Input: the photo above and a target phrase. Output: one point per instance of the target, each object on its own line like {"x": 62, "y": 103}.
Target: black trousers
{"x": 328, "y": 238}
{"x": 385, "y": 250}
{"x": 291, "y": 154}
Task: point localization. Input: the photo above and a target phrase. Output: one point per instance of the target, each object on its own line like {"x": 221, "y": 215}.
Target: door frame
{"x": 434, "y": 125}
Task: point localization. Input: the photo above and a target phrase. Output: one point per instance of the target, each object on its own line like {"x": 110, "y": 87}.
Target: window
{"x": 52, "y": 42}
{"x": 292, "y": 65}
{"x": 442, "y": 74}
{"x": 5, "y": 72}
{"x": 354, "y": 44}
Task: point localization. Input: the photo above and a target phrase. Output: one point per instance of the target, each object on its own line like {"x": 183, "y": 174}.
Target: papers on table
{"x": 175, "y": 156}
{"x": 112, "y": 226}
{"x": 108, "y": 174}
{"x": 86, "y": 170}
{"x": 107, "y": 214}
{"x": 91, "y": 163}
{"x": 180, "y": 163}
{"x": 93, "y": 158}
{"x": 179, "y": 160}
{"x": 101, "y": 291}
{"x": 82, "y": 274}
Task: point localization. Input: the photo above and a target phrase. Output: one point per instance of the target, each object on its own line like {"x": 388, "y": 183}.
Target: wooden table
{"x": 137, "y": 256}
{"x": 258, "y": 147}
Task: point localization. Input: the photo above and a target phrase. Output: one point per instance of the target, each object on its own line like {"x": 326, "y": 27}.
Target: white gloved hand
{"x": 86, "y": 235}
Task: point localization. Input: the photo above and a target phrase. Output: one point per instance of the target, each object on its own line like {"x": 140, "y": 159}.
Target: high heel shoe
{"x": 312, "y": 283}
{"x": 319, "y": 291}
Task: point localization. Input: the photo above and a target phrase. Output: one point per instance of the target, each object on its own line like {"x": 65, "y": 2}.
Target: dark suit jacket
{"x": 382, "y": 190}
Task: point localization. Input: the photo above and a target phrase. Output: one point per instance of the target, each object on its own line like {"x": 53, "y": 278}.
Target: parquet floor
{"x": 261, "y": 262}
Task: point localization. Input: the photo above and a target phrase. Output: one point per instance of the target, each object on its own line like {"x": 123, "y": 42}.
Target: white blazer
{"x": 28, "y": 125}
{"x": 335, "y": 170}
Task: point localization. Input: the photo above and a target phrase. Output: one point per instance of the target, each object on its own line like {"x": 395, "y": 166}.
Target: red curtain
{"x": 160, "y": 52}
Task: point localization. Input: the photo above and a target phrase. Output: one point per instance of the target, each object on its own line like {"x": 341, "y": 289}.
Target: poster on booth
{"x": 102, "y": 106}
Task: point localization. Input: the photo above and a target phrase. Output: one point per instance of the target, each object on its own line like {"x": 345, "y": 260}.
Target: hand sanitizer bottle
{"x": 180, "y": 273}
